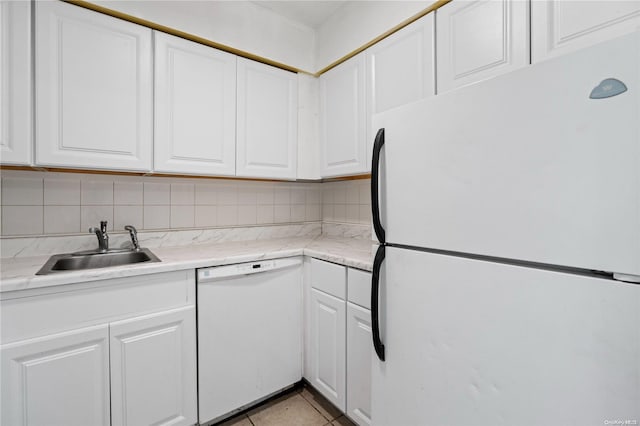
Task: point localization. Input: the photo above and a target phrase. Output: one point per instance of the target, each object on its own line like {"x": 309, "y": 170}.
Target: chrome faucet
{"x": 103, "y": 237}
{"x": 133, "y": 233}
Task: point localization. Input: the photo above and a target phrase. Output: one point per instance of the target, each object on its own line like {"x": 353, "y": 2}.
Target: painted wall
{"x": 249, "y": 27}
{"x": 357, "y": 23}
{"x": 239, "y": 24}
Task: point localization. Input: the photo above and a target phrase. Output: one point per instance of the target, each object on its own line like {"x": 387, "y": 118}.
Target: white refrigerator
{"x": 506, "y": 287}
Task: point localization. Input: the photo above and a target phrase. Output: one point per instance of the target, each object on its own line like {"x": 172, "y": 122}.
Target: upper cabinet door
{"x": 400, "y": 70}
{"x": 195, "y": 108}
{"x": 93, "y": 90}
{"x": 15, "y": 82}
{"x": 480, "y": 39}
{"x": 559, "y": 27}
{"x": 267, "y": 121}
{"x": 342, "y": 119}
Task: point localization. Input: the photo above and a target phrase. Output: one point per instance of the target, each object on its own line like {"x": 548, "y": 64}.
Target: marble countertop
{"x": 19, "y": 273}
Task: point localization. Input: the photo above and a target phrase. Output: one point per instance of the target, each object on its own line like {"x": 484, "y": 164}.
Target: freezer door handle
{"x": 375, "y": 202}
{"x": 375, "y": 311}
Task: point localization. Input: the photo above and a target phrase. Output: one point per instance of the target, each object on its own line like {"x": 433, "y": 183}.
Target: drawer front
{"x": 84, "y": 305}
{"x": 359, "y": 287}
{"x": 329, "y": 277}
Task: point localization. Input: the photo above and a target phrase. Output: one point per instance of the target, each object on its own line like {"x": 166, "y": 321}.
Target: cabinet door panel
{"x": 62, "y": 379}
{"x": 153, "y": 369}
{"x": 561, "y": 26}
{"x": 359, "y": 355}
{"x": 328, "y": 344}
{"x": 342, "y": 111}
{"x": 359, "y": 287}
{"x": 15, "y": 82}
{"x": 195, "y": 104}
{"x": 267, "y": 121}
{"x": 329, "y": 278}
{"x": 480, "y": 39}
{"x": 400, "y": 70}
{"x": 93, "y": 90}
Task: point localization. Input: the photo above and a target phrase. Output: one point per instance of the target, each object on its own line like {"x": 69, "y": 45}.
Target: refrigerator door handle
{"x": 375, "y": 202}
{"x": 375, "y": 310}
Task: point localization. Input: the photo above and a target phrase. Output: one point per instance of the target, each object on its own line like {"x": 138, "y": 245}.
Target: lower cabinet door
{"x": 328, "y": 341}
{"x": 60, "y": 379}
{"x": 359, "y": 353}
{"x": 153, "y": 369}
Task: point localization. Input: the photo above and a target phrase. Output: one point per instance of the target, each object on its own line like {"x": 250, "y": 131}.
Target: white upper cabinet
{"x": 15, "y": 82}
{"x": 267, "y": 116}
{"x": 93, "y": 90}
{"x": 195, "y": 108}
{"x": 400, "y": 70}
{"x": 342, "y": 111}
{"x": 562, "y": 26}
{"x": 480, "y": 39}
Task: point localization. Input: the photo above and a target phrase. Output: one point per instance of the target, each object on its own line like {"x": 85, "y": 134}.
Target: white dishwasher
{"x": 249, "y": 333}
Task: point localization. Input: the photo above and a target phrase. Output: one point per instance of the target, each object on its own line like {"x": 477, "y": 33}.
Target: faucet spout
{"x": 103, "y": 237}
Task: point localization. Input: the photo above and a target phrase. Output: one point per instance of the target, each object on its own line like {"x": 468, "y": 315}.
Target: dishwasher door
{"x": 249, "y": 334}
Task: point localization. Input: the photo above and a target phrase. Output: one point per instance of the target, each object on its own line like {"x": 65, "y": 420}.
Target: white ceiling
{"x": 307, "y": 12}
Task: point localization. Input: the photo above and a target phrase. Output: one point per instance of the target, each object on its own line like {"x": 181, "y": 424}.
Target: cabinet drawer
{"x": 83, "y": 305}
{"x": 359, "y": 287}
{"x": 329, "y": 277}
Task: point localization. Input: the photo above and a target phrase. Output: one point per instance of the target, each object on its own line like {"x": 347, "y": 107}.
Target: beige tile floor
{"x": 299, "y": 407}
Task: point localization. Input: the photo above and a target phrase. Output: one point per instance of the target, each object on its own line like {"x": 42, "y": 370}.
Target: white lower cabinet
{"x": 112, "y": 352}
{"x": 338, "y": 349}
{"x": 328, "y": 346}
{"x": 154, "y": 355}
{"x": 59, "y": 379}
{"x": 359, "y": 354}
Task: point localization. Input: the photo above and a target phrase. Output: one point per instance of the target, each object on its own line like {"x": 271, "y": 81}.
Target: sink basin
{"x": 93, "y": 260}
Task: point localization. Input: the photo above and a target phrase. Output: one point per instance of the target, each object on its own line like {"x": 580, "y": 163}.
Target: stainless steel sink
{"x": 95, "y": 259}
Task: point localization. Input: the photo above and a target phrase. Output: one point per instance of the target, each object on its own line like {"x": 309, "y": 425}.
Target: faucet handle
{"x": 133, "y": 233}
{"x": 103, "y": 226}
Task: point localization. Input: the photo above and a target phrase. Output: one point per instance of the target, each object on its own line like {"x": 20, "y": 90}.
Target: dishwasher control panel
{"x": 217, "y": 272}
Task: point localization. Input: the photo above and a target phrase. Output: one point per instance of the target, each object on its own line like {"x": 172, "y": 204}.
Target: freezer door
{"x": 477, "y": 343}
{"x": 526, "y": 165}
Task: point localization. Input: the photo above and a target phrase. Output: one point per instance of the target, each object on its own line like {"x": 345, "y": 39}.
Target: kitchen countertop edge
{"x": 19, "y": 274}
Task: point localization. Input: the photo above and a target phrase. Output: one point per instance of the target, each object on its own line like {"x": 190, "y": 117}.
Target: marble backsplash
{"x": 346, "y": 230}
{"x": 55, "y": 244}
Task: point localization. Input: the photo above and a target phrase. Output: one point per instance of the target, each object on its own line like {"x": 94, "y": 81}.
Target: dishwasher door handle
{"x": 218, "y": 272}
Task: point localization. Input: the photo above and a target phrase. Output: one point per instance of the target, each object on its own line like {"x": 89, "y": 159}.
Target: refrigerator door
{"x": 528, "y": 165}
{"x": 478, "y": 343}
